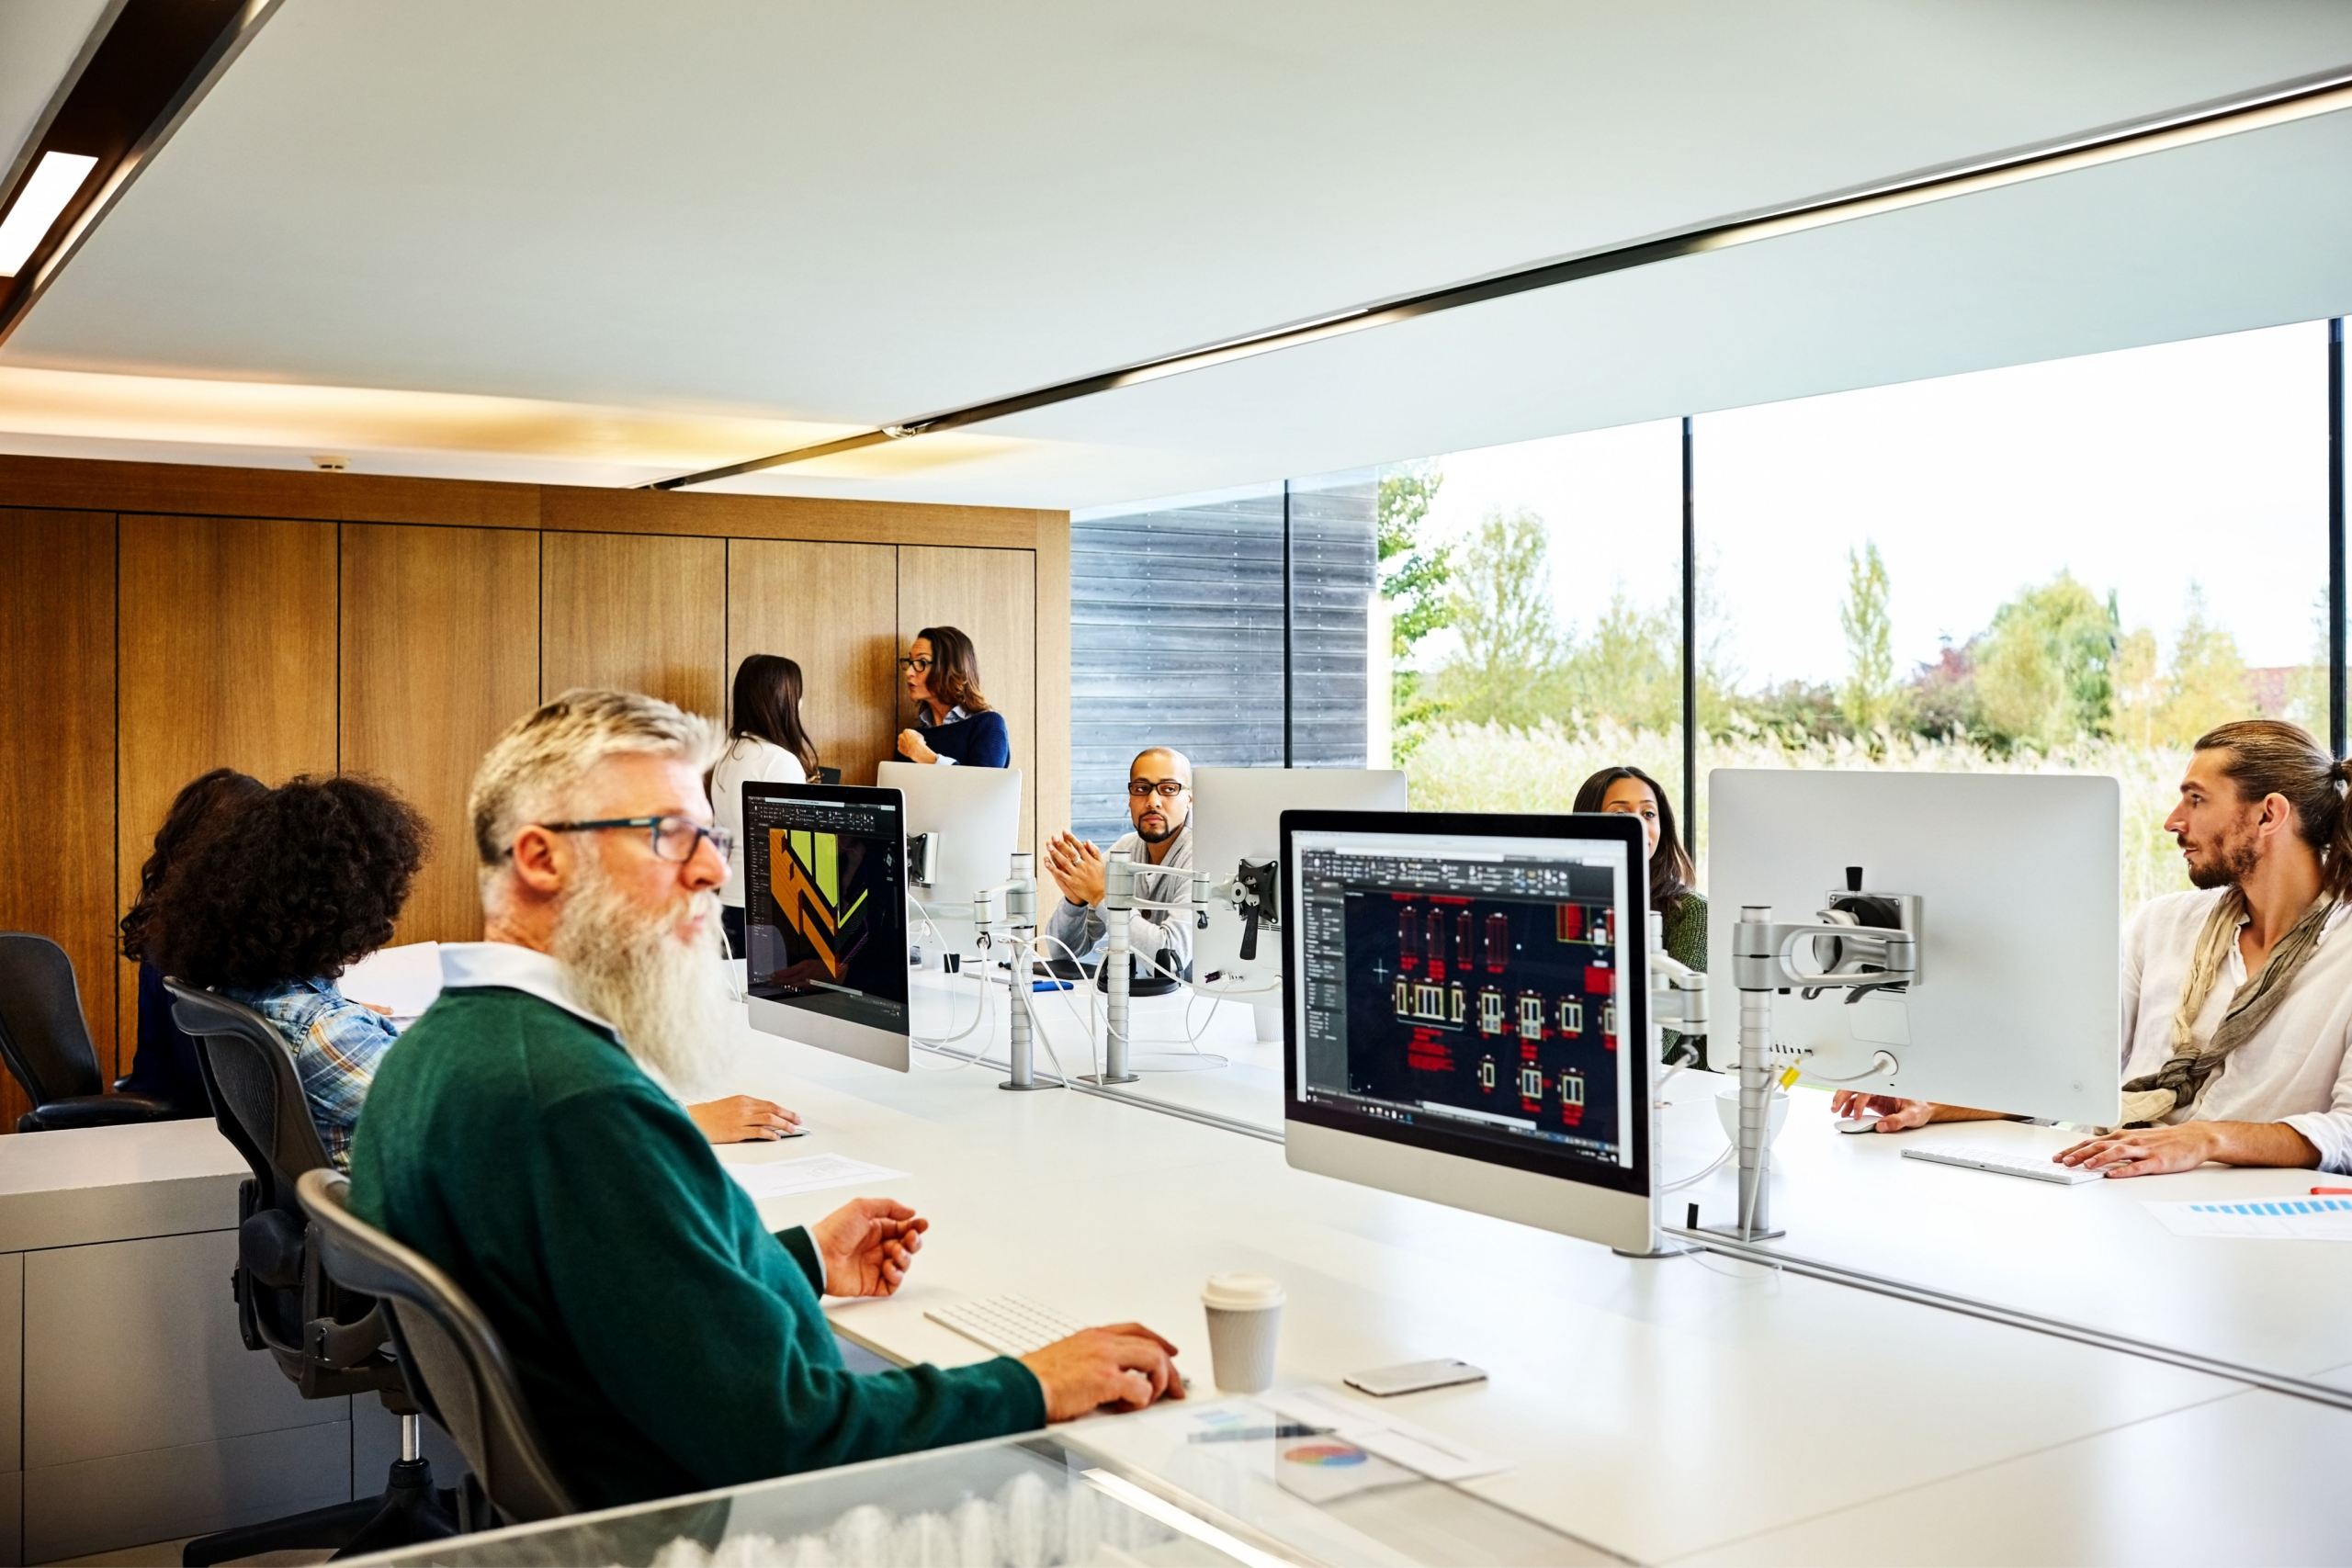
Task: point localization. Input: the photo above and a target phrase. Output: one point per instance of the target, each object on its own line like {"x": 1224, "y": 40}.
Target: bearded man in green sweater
{"x": 521, "y": 1136}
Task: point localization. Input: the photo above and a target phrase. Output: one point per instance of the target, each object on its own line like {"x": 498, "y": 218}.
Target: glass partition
{"x": 1177, "y": 1486}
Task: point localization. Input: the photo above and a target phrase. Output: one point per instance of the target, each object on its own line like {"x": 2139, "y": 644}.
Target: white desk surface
{"x": 2090, "y": 1254}
{"x": 1661, "y": 1409}
{"x": 94, "y": 1184}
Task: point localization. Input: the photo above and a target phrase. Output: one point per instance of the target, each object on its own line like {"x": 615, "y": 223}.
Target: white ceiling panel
{"x": 39, "y": 41}
{"x": 854, "y": 215}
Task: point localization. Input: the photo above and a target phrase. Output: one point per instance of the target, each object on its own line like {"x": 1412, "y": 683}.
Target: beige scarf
{"x": 2149, "y": 1098}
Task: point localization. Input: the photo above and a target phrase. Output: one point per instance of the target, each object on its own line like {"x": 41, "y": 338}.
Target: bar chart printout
{"x": 2261, "y": 1219}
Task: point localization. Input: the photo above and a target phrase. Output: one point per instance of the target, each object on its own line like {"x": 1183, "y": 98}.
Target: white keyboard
{"x": 2005, "y": 1161}
{"x": 1010, "y": 1325}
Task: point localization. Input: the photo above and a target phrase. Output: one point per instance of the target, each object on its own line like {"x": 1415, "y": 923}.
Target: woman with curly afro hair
{"x": 167, "y": 1066}
{"x": 275, "y": 904}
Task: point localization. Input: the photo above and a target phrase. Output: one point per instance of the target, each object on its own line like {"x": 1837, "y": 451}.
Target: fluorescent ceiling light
{"x": 42, "y": 197}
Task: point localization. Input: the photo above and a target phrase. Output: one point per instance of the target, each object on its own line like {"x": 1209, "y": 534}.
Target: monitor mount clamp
{"x": 1859, "y": 942}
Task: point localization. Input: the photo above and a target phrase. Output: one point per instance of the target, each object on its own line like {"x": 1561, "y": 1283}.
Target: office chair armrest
{"x": 99, "y": 1110}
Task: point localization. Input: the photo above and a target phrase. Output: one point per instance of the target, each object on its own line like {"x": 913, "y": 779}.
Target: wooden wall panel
{"x": 57, "y": 726}
{"x": 226, "y": 659}
{"x": 991, "y": 595}
{"x": 834, "y": 610}
{"x": 440, "y": 654}
{"x": 640, "y": 611}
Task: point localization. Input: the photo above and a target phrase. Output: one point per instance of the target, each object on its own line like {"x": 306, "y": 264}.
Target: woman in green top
{"x": 1636, "y": 794}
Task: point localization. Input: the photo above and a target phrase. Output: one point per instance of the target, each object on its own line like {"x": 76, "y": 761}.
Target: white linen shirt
{"x": 2295, "y": 1069}
{"x": 747, "y": 759}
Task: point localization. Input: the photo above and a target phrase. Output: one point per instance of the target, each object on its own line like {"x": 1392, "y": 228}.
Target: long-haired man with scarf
{"x": 2238, "y": 997}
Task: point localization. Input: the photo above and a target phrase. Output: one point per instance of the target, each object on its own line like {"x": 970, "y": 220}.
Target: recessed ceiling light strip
{"x": 156, "y": 61}
{"x": 2279, "y": 104}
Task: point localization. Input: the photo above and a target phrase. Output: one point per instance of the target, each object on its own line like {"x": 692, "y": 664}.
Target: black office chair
{"x": 457, "y": 1371}
{"x": 327, "y": 1340}
{"x": 45, "y": 1044}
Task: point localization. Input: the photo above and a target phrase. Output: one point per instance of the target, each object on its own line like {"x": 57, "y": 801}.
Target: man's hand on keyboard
{"x": 867, "y": 1245}
{"x": 2161, "y": 1151}
{"x": 1126, "y": 1365}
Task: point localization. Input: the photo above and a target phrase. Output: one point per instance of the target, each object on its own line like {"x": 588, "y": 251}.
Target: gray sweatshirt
{"x": 1164, "y": 935}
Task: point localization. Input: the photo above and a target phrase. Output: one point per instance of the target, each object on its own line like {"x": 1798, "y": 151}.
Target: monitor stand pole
{"x": 1756, "y": 1086}
{"x": 1118, "y": 902}
{"x": 1021, "y": 915}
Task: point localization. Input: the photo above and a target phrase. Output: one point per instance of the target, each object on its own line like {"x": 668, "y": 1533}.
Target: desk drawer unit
{"x": 145, "y": 1417}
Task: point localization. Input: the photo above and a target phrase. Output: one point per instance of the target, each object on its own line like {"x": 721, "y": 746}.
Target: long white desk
{"x": 2090, "y": 1254}
{"x": 1663, "y": 1410}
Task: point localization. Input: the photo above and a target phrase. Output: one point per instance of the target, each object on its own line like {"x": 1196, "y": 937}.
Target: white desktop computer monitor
{"x": 1237, "y": 817}
{"x": 1464, "y": 1005}
{"x": 2018, "y": 1007}
{"x": 825, "y": 917}
{"x": 974, "y": 815}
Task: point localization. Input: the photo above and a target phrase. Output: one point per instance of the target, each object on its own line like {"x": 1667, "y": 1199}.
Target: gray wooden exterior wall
{"x": 1176, "y": 638}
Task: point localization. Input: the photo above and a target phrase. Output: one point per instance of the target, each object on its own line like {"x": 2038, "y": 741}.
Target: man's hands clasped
{"x": 1077, "y": 869}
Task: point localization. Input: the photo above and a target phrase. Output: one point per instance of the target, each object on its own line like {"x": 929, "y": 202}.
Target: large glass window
{"x": 1535, "y": 594}
{"x": 2077, "y": 566}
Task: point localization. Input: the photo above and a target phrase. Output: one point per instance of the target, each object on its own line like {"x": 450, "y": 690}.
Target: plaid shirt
{"x": 337, "y": 1046}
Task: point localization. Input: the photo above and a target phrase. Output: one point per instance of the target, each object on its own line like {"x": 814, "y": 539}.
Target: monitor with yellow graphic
{"x": 825, "y": 916}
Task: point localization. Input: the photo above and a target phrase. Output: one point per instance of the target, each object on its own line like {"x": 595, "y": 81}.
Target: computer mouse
{"x": 1859, "y": 1124}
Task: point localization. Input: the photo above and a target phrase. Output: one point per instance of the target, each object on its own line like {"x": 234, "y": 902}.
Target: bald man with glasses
{"x": 1159, "y": 803}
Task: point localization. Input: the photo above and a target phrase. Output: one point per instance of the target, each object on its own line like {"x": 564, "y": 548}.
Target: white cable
{"x": 1881, "y": 1064}
{"x": 1707, "y": 1170}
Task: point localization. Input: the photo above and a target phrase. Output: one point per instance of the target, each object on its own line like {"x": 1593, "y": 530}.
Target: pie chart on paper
{"x": 1324, "y": 1456}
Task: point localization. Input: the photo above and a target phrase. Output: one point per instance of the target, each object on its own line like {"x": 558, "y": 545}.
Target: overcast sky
{"x": 2142, "y": 471}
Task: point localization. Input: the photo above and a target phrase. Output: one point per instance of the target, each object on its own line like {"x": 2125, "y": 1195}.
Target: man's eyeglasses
{"x": 674, "y": 838}
{"x": 1167, "y": 789}
{"x": 921, "y": 664}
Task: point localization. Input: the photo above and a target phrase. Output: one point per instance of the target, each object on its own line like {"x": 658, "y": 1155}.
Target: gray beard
{"x": 667, "y": 997}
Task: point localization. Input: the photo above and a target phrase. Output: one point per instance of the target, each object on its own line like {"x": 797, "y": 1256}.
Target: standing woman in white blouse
{"x": 765, "y": 745}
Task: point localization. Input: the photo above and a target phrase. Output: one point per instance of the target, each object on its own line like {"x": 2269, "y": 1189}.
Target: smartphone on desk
{"x": 1413, "y": 1377}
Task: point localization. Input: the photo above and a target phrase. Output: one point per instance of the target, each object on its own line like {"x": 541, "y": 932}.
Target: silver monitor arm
{"x": 1861, "y": 942}
{"x": 1010, "y": 908}
{"x": 1120, "y": 871}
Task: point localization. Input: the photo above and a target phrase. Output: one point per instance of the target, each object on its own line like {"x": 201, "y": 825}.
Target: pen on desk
{"x": 1259, "y": 1433}
{"x": 2331, "y": 1191}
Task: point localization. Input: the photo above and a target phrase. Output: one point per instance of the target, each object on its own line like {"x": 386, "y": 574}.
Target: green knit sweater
{"x": 666, "y": 1342}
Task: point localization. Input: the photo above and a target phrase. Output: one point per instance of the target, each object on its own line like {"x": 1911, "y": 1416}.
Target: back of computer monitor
{"x": 2018, "y": 1003}
{"x": 825, "y": 917}
{"x": 1237, "y": 816}
{"x": 976, "y": 813}
{"x": 1464, "y": 1008}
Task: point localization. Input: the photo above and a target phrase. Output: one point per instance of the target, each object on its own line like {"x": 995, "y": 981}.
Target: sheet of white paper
{"x": 404, "y": 980}
{"x": 811, "y": 1173}
{"x": 2261, "y": 1219}
{"x": 1377, "y": 1432}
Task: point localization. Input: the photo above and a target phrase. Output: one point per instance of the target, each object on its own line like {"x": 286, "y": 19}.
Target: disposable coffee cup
{"x": 1245, "y": 1314}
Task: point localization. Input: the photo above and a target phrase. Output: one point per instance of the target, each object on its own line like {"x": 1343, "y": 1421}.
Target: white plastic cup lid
{"x": 1241, "y": 1292}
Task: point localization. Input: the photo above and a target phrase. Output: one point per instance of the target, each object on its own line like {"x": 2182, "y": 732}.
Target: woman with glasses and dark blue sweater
{"x": 954, "y": 723}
